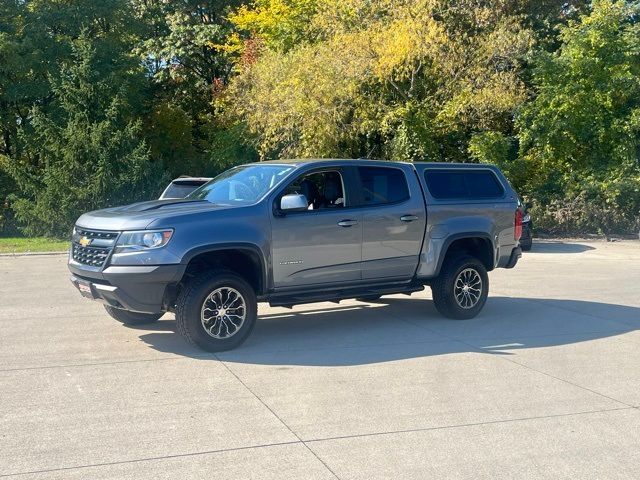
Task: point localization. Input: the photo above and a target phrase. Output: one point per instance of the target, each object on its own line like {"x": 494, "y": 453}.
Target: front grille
{"x": 94, "y": 257}
{"x": 96, "y": 252}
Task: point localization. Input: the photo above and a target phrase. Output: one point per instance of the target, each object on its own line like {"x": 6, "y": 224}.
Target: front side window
{"x": 463, "y": 184}
{"x": 381, "y": 185}
{"x": 241, "y": 185}
{"x": 322, "y": 189}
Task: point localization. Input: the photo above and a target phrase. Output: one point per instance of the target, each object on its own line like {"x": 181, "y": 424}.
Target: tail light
{"x": 517, "y": 230}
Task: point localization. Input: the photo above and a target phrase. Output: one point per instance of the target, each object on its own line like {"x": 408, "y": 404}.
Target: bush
{"x": 607, "y": 211}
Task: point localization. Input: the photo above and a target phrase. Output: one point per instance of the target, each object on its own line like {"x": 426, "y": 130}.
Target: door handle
{"x": 408, "y": 218}
{"x": 347, "y": 223}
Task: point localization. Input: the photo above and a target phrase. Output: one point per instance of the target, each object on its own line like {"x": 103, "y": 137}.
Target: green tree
{"x": 185, "y": 50}
{"x": 85, "y": 153}
{"x": 23, "y": 82}
{"x": 580, "y": 136}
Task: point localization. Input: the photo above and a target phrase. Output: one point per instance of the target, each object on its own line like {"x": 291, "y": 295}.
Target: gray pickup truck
{"x": 299, "y": 231}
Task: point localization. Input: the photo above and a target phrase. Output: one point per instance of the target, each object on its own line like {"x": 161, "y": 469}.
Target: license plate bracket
{"x": 85, "y": 289}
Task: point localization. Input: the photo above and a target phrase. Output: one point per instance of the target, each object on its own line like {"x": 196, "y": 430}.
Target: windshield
{"x": 241, "y": 185}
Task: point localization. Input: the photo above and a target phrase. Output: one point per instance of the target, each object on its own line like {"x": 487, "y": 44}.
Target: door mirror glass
{"x": 294, "y": 202}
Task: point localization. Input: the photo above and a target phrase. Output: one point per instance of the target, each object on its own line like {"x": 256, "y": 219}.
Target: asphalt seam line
{"x": 317, "y": 440}
{"x": 502, "y": 357}
{"x": 98, "y": 364}
{"x": 277, "y": 416}
{"x": 474, "y": 424}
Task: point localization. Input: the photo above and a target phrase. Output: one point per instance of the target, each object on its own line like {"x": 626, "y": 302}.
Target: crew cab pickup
{"x": 299, "y": 231}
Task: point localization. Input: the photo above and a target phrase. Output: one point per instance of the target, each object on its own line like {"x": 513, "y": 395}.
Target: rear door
{"x": 394, "y": 218}
{"x": 323, "y": 245}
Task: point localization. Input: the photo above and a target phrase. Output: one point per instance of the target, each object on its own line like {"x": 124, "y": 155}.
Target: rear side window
{"x": 383, "y": 185}
{"x": 463, "y": 184}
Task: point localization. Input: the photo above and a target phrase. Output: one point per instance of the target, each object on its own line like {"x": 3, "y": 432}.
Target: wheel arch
{"x": 245, "y": 259}
{"x": 477, "y": 244}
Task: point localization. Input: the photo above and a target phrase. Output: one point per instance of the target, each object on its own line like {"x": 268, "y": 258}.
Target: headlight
{"x": 142, "y": 240}
{"x": 526, "y": 218}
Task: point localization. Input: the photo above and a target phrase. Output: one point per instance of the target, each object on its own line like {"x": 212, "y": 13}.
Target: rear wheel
{"x": 132, "y": 318}
{"x": 216, "y": 311}
{"x": 461, "y": 290}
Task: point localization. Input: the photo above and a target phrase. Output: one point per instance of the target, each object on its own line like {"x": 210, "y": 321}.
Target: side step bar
{"x": 289, "y": 300}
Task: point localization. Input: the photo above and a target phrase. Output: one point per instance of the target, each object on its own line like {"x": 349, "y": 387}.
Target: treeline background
{"x": 102, "y": 102}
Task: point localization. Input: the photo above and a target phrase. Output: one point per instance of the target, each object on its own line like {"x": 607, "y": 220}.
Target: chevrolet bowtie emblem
{"x": 84, "y": 241}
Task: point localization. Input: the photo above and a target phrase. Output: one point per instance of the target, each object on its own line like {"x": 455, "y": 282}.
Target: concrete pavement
{"x": 544, "y": 383}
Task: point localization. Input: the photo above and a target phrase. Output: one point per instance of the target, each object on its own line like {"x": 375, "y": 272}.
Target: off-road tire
{"x": 443, "y": 287}
{"x": 190, "y": 302}
{"x": 132, "y": 318}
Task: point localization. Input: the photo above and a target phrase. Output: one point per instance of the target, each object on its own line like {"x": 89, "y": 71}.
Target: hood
{"x": 138, "y": 216}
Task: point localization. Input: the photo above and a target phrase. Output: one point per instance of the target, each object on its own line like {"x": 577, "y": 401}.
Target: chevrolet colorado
{"x": 299, "y": 231}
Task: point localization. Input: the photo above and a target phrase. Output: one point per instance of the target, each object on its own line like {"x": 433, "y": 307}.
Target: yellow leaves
{"x": 484, "y": 105}
{"x": 280, "y": 23}
{"x": 261, "y": 18}
{"x": 366, "y": 66}
{"x": 401, "y": 46}
{"x": 233, "y": 45}
{"x": 301, "y": 100}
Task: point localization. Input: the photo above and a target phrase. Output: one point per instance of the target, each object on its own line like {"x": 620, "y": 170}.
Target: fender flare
{"x": 217, "y": 247}
{"x": 461, "y": 236}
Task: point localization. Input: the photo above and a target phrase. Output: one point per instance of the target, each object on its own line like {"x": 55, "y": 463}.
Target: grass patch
{"x": 36, "y": 244}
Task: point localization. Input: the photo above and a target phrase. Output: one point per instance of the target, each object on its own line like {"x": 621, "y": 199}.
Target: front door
{"x": 322, "y": 245}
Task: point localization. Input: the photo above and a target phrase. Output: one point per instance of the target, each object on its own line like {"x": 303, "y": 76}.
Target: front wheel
{"x": 461, "y": 290}
{"x": 216, "y": 311}
{"x": 132, "y": 318}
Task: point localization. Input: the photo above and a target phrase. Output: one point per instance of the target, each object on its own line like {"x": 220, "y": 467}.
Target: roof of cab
{"x": 320, "y": 161}
{"x": 454, "y": 165}
{"x": 307, "y": 161}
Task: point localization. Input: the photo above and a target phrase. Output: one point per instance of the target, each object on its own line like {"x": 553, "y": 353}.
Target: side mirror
{"x": 294, "y": 202}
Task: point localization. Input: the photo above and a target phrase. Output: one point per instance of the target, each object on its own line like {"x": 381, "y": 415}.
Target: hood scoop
{"x": 158, "y": 204}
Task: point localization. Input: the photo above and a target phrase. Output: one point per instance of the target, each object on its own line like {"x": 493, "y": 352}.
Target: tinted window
{"x": 461, "y": 184}
{"x": 322, "y": 189}
{"x": 443, "y": 184}
{"x": 383, "y": 185}
{"x": 483, "y": 184}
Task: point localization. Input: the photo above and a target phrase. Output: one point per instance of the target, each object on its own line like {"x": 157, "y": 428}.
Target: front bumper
{"x": 135, "y": 288}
